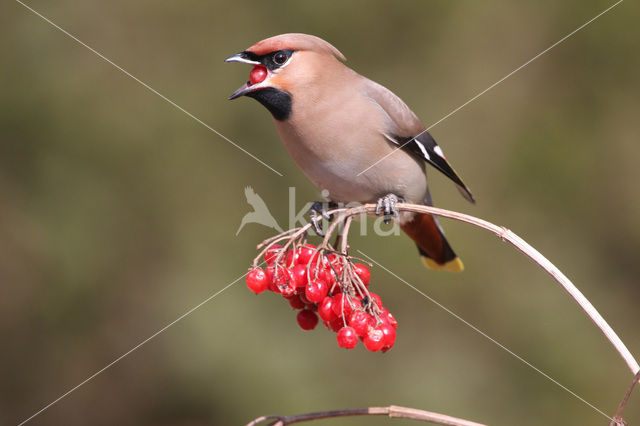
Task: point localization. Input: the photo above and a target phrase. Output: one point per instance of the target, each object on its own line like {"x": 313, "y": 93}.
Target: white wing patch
{"x": 423, "y": 150}
{"x": 439, "y": 162}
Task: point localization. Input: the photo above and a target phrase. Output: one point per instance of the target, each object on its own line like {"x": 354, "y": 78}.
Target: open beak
{"x": 242, "y": 90}
{"x": 241, "y": 57}
{"x": 247, "y": 87}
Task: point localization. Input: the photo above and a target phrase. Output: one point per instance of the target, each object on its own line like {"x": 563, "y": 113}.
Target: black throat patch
{"x": 276, "y": 101}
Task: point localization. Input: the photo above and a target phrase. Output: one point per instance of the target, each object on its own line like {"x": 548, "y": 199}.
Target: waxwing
{"x": 335, "y": 124}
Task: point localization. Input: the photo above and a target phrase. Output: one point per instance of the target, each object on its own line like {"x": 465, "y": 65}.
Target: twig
{"x": 505, "y": 235}
{"x": 617, "y": 419}
{"x": 392, "y": 411}
{"x": 346, "y": 214}
{"x": 508, "y": 236}
{"x": 345, "y": 232}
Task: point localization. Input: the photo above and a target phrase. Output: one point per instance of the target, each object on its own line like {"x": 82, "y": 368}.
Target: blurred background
{"x": 118, "y": 213}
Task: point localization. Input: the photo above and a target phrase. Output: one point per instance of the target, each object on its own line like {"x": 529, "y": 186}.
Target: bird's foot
{"x": 387, "y": 205}
{"x": 318, "y": 212}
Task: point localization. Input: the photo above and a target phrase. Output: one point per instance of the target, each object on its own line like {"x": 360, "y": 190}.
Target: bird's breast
{"x": 333, "y": 143}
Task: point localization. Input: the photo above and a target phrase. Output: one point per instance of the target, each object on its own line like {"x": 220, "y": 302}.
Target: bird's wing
{"x": 402, "y": 121}
{"x": 426, "y": 148}
{"x": 408, "y": 132}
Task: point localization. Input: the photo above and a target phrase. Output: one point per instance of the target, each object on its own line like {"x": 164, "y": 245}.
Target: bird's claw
{"x": 317, "y": 213}
{"x": 316, "y": 219}
{"x": 387, "y": 205}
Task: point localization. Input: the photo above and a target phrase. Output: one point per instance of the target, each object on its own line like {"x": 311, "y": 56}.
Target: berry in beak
{"x": 258, "y": 74}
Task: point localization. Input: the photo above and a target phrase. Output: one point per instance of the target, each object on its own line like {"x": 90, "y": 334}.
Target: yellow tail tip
{"x": 454, "y": 265}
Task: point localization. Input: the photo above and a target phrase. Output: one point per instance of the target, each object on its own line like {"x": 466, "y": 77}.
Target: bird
{"x": 335, "y": 123}
{"x": 260, "y": 213}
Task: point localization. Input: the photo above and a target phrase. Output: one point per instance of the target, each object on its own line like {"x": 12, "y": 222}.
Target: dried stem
{"x": 392, "y": 411}
{"x": 617, "y": 419}
{"x": 346, "y": 214}
{"x": 505, "y": 235}
{"x": 508, "y": 236}
{"x": 345, "y": 234}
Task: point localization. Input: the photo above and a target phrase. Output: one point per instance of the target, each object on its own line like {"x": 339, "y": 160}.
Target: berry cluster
{"x": 328, "y": 286}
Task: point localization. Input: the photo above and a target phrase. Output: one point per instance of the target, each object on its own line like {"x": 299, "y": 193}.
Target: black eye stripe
{"x": 252, "y": 56}
{"x": 269, "y": 60}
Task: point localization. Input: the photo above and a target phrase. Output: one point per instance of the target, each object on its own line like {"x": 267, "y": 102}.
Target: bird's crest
{"x": 295, "y": 41}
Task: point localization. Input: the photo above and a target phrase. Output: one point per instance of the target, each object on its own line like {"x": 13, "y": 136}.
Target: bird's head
{"x": 282, "y": 64}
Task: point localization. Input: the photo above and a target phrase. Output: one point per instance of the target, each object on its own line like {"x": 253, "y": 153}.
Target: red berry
{"x": 271, "y": 254}
{"x": 271, "y": 272}
{"x": 376, "y": 299}
{"x": 305, "y": 253}
{"x": 388, "y": 318}
{"x": 389, "y": 336}
{"x": 329, "y": 276}
{"x": 361, "y": 322}
{"x": 282, "y": 282}
{"x": 313, "y": 260}
{"x": 291, "y": 258}
{"x": 374, "y": 340}
{"x": 301, "y": 294}
{"x": 347, "y": 338}
{"x": 325, "y": 309}
{"x": 316, "y": 290}
{"x": 288, "y": 290}
{"x": 299, "y": 273}
{"x": 363, "y": 273}
{"x": 335, "y": 324}
{"x": 307, "y": 320}
{"x": 257, "y": 280}
{"x": 258, "y": 74}
{"x": 296, "y": 302}
{"x": 341, "y": 305}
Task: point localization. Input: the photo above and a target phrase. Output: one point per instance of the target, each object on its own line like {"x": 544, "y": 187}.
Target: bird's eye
{"x": 280, "y": 58}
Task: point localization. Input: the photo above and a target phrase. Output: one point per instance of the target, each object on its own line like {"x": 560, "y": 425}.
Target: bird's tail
{"x": 435, "y": 251}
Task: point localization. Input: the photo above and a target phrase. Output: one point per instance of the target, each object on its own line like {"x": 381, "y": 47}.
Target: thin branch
{"x": 506, "y": 235}
{"x": 345, "y": 214}
{"x": 392, "y": 411}
{"x": 617, "y": 419}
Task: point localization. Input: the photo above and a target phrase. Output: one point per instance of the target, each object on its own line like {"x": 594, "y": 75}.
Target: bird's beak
{"x": 242, "y": 90}
{"x": 241, "y": 57}
{"x": 247, "y": 87}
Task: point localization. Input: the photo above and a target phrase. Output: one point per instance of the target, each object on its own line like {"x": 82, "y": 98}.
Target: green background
{"x": 118, "y": 213}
